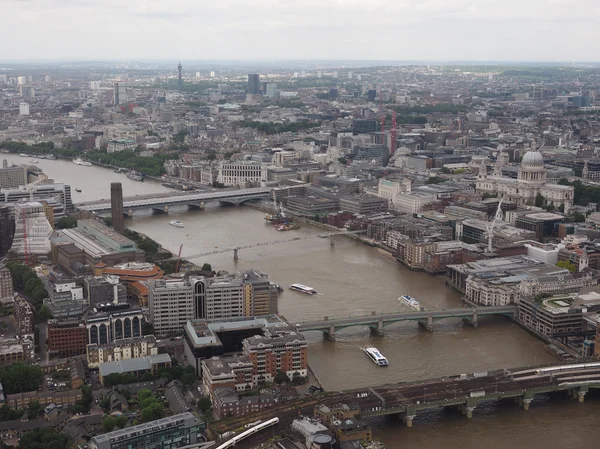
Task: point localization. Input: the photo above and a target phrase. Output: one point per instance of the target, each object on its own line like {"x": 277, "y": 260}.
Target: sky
{"x": 422, "y": 30}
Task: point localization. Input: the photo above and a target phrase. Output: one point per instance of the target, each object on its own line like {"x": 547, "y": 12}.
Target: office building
{"x": 32, "y": 230}
{"x": 11, "y": 177}
{"x": 57, "y": 195}
{"x": 113, "y": 323}
{"x": 120, "y": 93}
{"x": 11, "y": 351}
{"x": 253, "y": 84}
{"x": 271, "y": 90}
{"x": 240, "y": 173}
{"x": 173, "y": 303}
{"x": 129, "y": 348}
{"x": 27, "y": 91}
{"x": 104, "y": 289}
{"x": 132, "y": 275}
{"x": 7, "y": 229}
{"x": 24, "y": 317}
{"x": 116, "y": 207}
{"x": 166, "y": 433}
{"x": 67, "y": 338}
{"x": 208, "y": 338}
{"x": 23, "y": 108}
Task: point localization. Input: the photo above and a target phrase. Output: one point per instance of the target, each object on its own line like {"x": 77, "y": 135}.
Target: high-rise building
{"x": 23, "y": 108}
{"x": 253, "y": 83}
{"x": 120, "y": 93}
{"x": 116, "y": 207}
{"x": 26, "y": 91}
{"x": 212, "y": 74}
{"x": 32, "y": 230}
{"x": 271, "y": 90}
{"x": 179, "y": 78}
{"x": 6, "y": 284}
{"x": 21, "y": 80}
{"x": 7, "y": 229}
{"x": 13, "y": 177}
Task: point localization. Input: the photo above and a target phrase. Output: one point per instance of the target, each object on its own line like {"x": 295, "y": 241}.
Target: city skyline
{"x": 437, "y": 31}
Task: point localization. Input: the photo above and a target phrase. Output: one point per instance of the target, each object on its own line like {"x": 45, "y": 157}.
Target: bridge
{"x": 162, "y": 202}
{"x": 462, "y": 392}
{"x": 378, "y": 322}
{"x": 235, "y": 249}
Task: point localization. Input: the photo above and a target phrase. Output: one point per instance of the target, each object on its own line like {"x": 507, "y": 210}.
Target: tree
{"x": 342, "y": 160}
{"x": 487, "y": 195}
{"x": 144, "y": 393}
{"x": 207, "y": 267}
{"x": 435, "y": 180}
{"x": 9, "y": 414}
{"x": 34, "y": 409}
{"x": 43, "y": 438}
{"x": 578, "y": 217}
{"x": 566, "y": 264}
{"x": 108, "y": 221}
{"x": 204, "y": 404}
{"x": 152, "y": 413}
{"x": 446, "y": 170}
{"x": 539, "y": 200}
{"x": 105, "y": 404}
{"x": 189, "y": 375}
{"x": 109, "y": 424}
{"x": 45, "y": 313}
{"x": 147, "y": 328}
{"x": 147, "y": 377}
{"x": 561, "y": 208}
{"x": 280, "y": 377}
{"x": 121, "y": 421}
{"x": 20, "y": 378}
{"x": 67, "y": 222}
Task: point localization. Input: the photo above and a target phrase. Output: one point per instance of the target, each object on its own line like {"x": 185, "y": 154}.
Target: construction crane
{"x": 178, "y": 259}
{"x": 393, "y": 134}
{"x": 274, "y": 242}
{"x": 489, "y": 226}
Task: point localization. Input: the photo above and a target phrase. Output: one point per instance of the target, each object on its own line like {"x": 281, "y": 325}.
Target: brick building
{"x": 67, "y": 337}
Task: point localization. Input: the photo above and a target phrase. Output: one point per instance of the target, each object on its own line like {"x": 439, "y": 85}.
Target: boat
{"x": 23, "y": 155}
{"x": 303, "y": 289}
{"x": 410, "y": 302}
{"x": 81, "y": 162}
{"x": 176, "y": 223}
{"x": 119, "y": 170}
{"x": 376, "y": 356}
{"x": 34, "y": 161}
{"x": 51, "y": 157}
{"x": 135, "y": 176}
{"x": 78, "y": 190}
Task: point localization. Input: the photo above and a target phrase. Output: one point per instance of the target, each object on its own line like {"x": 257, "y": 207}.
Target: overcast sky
{"x": 428, "y": 30}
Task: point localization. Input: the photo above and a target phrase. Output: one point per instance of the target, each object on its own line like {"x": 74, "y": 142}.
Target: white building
{"x": 32, "y": 230}
{"x": 120, "y": 145}
{"x": 95, "y": 85}
{"x": 238, "y": 173}
{"x": 23, "y": 108}
{"x": 530, "y": 182}
{"x": 21, "y": 80}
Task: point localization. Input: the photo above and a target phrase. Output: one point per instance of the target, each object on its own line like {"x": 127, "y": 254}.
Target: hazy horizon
{"x": 546, "y": 31}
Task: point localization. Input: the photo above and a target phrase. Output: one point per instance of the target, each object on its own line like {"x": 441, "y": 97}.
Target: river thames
{"x": 355, "y": 279}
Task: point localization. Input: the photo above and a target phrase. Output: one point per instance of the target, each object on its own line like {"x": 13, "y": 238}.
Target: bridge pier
{"x": 129, "y": 213}
{"x": 329, "y": 335}
{"x": 581, "y": 395}
{"x": 235, "y": 254}
{"x": 427, "y": 325}
{"x": 472, "y": 320}
{"x": 378, "y": 330}
{"x": 408, "y": 420}
{"x": 332, "y": 240}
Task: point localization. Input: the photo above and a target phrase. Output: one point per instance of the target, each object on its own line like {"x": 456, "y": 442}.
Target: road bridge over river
{"x": 161, "y": 202}
{"x": 378, "y": 322}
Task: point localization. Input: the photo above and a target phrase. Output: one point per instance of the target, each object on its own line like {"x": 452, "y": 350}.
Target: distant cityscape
{"x": 485, "y": 176}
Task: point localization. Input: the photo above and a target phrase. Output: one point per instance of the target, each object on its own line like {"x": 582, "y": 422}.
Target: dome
{"x": 533, "y": 158}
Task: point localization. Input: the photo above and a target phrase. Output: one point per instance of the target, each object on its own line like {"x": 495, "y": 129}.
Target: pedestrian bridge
{"x": 162, "y": 202}
{"x": 378, "y": 322}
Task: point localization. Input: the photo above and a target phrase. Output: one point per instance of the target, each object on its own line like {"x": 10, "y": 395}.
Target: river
{"x": 354, "y": 279}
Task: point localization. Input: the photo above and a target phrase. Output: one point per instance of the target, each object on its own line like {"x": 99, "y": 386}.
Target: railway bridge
{"x": 377, "y": 322}
{"x": 162, "y": 202}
